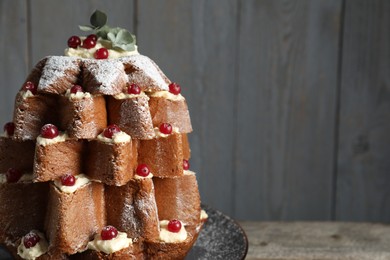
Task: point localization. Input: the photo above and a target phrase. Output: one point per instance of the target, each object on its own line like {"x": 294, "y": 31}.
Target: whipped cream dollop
{"x": 171, "y": 237}
{"x": 188, "y": 172}
{"x": 157, "y": 133}
{"x": 81, "y": 181}
{"x": 167, "y": 95}
{"x": 89, "y": 53}
{"x": 120, "y": 137}
{"x": 203, "y": 215}
{"x": 127, "y": 96}
{"x": 138, "y": 177}
{"x": 26, "y": 94}
{"x": 46, "y": 141}
{"x": 78, "y": 95}
{"x": 120, "y": 242}
{"x": 36, "y": 251}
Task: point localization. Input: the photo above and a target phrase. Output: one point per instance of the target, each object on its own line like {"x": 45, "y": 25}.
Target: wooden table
{"x": 317, "y": 240}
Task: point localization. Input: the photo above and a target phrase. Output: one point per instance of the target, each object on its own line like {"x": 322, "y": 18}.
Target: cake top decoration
{"x": 105, "y": 42}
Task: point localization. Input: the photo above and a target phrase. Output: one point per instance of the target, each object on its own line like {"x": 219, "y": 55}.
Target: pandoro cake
{"x": 95, "y": 163}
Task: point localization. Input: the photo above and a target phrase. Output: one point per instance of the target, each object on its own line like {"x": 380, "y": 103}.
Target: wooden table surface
{"x": 317, "y": 240}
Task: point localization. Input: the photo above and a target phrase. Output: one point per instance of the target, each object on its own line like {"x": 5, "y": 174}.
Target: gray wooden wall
{"x": 290, "y": 100}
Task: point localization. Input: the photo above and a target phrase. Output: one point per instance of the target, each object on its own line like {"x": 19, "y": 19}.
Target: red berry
{"x": 111, "y": 130}
{"x": 88, "y": 43}
{"x": 174, "y": 88}
{"x": 68, "y": 180}
{"x": 101, "y": 54}
{"x": 93, "y": 37}
{"x": 143, "y": 170}
{"x": 74, "y": 42}
{"x": 30, "y": 86}
{"x": 133, "y": 89}
{"x": 166, "y": 128}
{"x": 75, "y": 89}
{"x": 49, "y": 131}
{"x": 174, "y": 226}
{"x": 108, "y": 233}
{"x": 13, "y": 175}
{"x": 186, "y": 164}
{"x": 9, "y": 128}
{"x": 31, "y": 239}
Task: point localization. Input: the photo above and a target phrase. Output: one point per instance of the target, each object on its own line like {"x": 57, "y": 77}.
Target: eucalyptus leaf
{"x": 102, "y": 32}
{"x": 124, "y": 37}
{"x": 98, "y": 19}
{"x": 124, "y": 47}
{"x": 119, "y": 38}
{"x": 111, "y": 36}
{"x": 86, "y": 28}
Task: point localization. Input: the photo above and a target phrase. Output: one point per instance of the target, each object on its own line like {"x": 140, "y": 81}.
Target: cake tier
{"x": 104, "y": 81}
{"x": 56, "y": 74}
{"x": 70, "y": 219}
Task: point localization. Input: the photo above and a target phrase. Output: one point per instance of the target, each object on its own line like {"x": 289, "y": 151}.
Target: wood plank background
{"x": 289, "y": 99}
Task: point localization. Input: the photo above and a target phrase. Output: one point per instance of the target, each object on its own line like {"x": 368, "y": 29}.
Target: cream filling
{"x": 3, "y": 178}
{"x": 81, "y": 181}
{"x": 188, "y": 172}
{"x": 89, "y": 53}
{"x": 171, "y": 237}
{"x": 46, "y": 141}
{"x": 24, "y": 178}
{"x": 5, "y": 134}
{"x": 27, "y": 94}
{"x": 167, "y": 95}
{"x": 203, "y": 215}
{"x": 157, "y": 133}
{"x": 127, "y": 96}
{"x": 78, "y": 95}
{"x": 33, "y": 252}
{"x": 120, "y": 137}
{"x": 137, "y": 177}
{"x": 110, "y": 246}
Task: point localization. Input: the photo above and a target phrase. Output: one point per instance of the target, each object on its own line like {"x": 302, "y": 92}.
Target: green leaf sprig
{"x": 121, "y": 39}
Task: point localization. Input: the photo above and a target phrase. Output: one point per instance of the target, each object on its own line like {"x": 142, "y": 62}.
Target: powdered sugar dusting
{"x": 147, "y": 204}
{"x": 109, "y": 76}
{"x": 146, "y": 72}
{"x": 132, "y": 116}
{"x": 57, "y": 69}
{"x": 127, "y": 215}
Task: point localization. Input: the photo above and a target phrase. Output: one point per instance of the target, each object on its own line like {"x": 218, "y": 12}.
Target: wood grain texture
{"x": 286, "y": 109}
{"x": 363, "y": 163}
{"x": 53, "y": 22}
{"x": 13, "y": 53}
{"x": 194, "y": 44}
{"x": 317, "y": 240}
